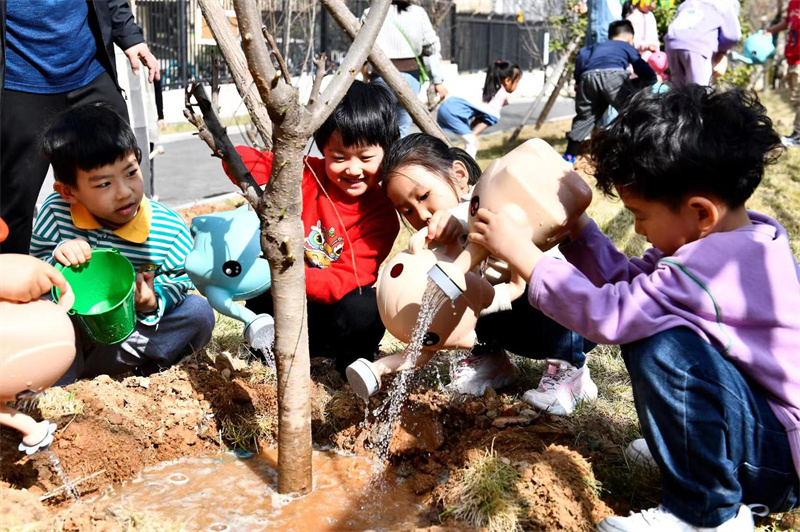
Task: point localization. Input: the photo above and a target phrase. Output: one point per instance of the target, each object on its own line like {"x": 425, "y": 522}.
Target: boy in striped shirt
{"x": 99, "y": 203}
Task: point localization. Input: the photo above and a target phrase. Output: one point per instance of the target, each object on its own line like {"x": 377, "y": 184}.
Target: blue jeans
{"x": 182, "y": 330}
{"x": 456, "y": 114}
{"x": 527, "y": 332}
{"x": 403, "y": 118}
{"x": 710, "y": 430}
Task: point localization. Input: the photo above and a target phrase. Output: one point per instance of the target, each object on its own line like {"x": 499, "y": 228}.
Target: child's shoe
{"x": 477, "y": 372}
{"x": 569, "y": 158}
{"x": 363, "y": 378}
{"x": 791, "y": 141}
{"x": 561, "y": 387}
{"x": 660, "y": 520}
{"x": 639, "y": 453}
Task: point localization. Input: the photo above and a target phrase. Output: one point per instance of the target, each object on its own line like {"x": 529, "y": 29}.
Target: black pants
{"x": 527, "y": 332}
{"x": 346, "y": 330}
{"x": 23, "y": 116}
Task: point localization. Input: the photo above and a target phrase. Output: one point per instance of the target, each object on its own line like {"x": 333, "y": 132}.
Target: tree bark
{"x": 282, "y": 232}
{"x": 388, "y": 72}
{"x": 237, "y": 64}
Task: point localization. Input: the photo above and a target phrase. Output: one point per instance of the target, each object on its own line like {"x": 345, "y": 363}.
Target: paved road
{"x": 186, "y": 172}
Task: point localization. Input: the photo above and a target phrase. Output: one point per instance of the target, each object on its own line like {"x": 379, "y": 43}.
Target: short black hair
{"x": 688, "y": 140}
{"x": 366, "y": 115}
{"x": 620, "y": 27}
{"x": 429, "y": 152}
{"x": 86, "y": 137}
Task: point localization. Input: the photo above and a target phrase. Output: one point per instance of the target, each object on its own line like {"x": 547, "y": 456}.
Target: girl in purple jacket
{"x": 708, "y": 319}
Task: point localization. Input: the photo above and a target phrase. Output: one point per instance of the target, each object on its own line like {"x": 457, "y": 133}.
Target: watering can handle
{"x": 67, "y": 298}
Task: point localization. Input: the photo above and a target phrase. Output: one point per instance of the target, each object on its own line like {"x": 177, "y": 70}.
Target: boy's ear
{"x": 705, "y": 213}
{"x": 461, "y": 175}
{"x": 66, "y": 192}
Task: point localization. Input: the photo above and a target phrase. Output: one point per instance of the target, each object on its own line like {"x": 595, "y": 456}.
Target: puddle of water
{"x": 66, "y": 482}
{"x": 225, "y": 493}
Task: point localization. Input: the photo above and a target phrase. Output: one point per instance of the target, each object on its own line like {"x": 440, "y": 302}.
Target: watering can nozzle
{"x": 445, "y": 282}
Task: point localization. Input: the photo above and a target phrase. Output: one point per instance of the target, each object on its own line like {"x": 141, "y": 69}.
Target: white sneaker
{"x": 477, "y": 372}
{"x": 639, "y": 453}
{"x": 561, "y": 387}
{"x": 660, "y": 520}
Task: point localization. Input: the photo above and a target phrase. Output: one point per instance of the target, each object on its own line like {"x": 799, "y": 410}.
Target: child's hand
{"x": 144, "y": 293}
{"x": 506, "y": 240}
{"x": 443, "y": 227}
{"x": 24, "y": 278}
{"x": 73, "y": 252}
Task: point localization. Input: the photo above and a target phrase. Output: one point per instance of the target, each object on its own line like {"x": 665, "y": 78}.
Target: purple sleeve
{"x": 730, "y": 32}
{"x": 601, "y": 262}
{"x": 617, "y": 313}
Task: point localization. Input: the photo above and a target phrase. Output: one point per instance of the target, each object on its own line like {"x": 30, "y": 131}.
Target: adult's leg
{"x": 22, "y": 167}
{"x": 185, "y": 329}
{"x": 527, "y": 332}
{"x": 403, "y": 118}
{"x": 711, "y": 431}
{"x": 102, "y": 89}
{"x": 794, "y": 86}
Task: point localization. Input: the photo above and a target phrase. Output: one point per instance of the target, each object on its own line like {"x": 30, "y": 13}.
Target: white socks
{"x": 470, "y": 144}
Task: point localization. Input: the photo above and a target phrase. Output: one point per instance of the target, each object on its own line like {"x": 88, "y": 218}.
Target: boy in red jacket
{"x": 350, "y": 230}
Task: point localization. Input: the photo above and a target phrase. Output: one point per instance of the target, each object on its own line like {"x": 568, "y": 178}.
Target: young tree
{"x": 280, "y": 204}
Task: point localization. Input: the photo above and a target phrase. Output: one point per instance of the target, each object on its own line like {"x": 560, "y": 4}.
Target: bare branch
{"x": 350, "y": 66}
{"x": 276, "y": 95}
{"x": 277, "y": 54}
{"x": 237, "y": 64}
{"x": 388, "y": 72}
{"x": 220, "y": 143}
{"x": 319, "y": 62}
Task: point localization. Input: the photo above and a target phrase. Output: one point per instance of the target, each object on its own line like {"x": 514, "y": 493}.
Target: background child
{"x": 645, "y": 28}
{"x": 99, "y": 203}
{"x": 349, "y": 223}
{"x": 792, "y": 54}
{"x": 701, "y": 34}
{"x": 469, "y": 117}
{"x": 708, "y": 318}
{"x": 430, "y": 185}
{"x": 602, "y": 78}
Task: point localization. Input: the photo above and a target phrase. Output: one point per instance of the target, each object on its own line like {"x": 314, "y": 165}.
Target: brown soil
{"x": 133, "y": 422}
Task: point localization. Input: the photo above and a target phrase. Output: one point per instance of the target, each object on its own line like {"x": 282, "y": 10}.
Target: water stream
{"x": 69, "y": 488}
{"x": 388, "y": 414}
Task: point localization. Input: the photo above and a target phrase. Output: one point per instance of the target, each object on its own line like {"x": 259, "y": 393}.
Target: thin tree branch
{"x": 276, "y": 95}
{"x": 221, "y": 144}
{"x": 350, "y": 66}
{"x": 388, "y": 72}
{"x": 277, "y": 54}
{"x": 237, "y": 64}
{"x": 319, "y": 62}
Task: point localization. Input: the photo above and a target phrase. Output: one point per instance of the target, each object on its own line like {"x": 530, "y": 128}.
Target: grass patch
{"x": 53, "y": 403}
{"x": 484, "y": 494}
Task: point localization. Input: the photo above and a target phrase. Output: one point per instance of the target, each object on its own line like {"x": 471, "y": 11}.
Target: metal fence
{"x": 177, "y": 35}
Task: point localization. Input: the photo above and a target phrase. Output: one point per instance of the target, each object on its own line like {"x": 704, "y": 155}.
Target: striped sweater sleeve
{"x": 47, "y": 234}
{"x": 171, "y": 282}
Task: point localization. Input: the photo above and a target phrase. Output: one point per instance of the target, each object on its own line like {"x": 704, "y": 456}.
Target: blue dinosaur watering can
{"x": 757, "y": 49}
{"x": 226, "y": 266}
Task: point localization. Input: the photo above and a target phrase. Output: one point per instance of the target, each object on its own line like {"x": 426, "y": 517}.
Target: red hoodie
{"x": 340, "y": 255}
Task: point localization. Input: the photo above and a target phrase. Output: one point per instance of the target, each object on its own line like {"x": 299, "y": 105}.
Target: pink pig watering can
{"x": 37, "y": 346}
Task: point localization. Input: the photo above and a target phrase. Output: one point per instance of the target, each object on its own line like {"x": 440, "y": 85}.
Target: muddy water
{"x": 226, "y": 493}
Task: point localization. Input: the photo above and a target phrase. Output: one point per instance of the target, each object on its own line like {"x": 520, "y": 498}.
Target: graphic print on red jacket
{"x": 340, "y": 255}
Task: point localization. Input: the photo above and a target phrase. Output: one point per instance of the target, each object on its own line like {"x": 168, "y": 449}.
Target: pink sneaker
{"x": 561, "y": 388}
{"x": 478, "y": 372}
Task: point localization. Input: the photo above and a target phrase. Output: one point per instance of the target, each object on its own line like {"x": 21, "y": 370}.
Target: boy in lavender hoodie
{"x": 708, "y": 319}
{"x": 701, "y": 34}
